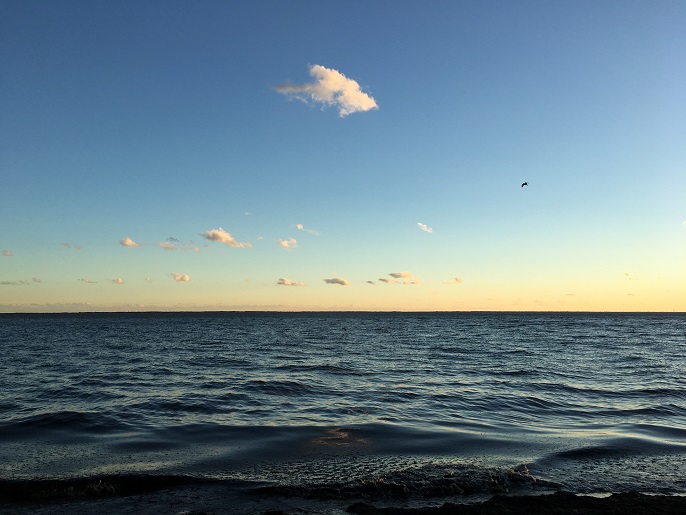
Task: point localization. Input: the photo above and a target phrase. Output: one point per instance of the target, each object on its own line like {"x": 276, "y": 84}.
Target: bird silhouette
{"x": 525, "y": 184}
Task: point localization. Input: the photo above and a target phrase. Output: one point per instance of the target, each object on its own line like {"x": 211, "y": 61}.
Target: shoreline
{"x": 111, "y": 495}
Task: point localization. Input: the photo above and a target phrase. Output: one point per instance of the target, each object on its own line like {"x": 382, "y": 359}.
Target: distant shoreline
{"x": 323, "y": 312}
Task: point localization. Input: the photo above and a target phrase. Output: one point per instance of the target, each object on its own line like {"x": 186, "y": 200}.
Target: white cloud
{"x": 118, "y": 280}
{"x": 310, "y": 231}
{"x": 7, "y": 253}
{"x": 291, "y": 243}
{"x": 337, "y": 280}
{"x": 128, "y": 242}
{"x": 287, "y": 282}
{"x": 330, "y": 88}
{"x": 166, "y": 245}
{"x": 454, "y": 280}
{"x": 181, "y": 278}
{"x": 425, "y": 227}
{"x": 221, "y": 236}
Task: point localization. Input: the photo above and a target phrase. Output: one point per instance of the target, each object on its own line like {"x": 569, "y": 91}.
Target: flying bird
{"x": 525, "y": 184}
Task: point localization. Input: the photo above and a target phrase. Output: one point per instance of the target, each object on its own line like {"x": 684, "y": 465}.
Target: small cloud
{"x": 310, "y": 231}
{"x": 7, "y": 253}
{"x": 221, "y": 236}
{"x": 330, "y": 88}
{"x": 14, "y": 283}
{"x": 628, "y": 277}
{"x": 181, "y": 278}
{"x": 369, "y": 282}
{"x": 337, "y": 280}
{"x": 289, "y": 244}
{"x": 454, "y": 280}
{"x": 87, "y": 281}
{"x": 166, "y": 245}
{"x": 387, "y": 280}
{"x": 36, "y": 280}
{"x": 148, "y": 280}
{"x": 247, "y": 213}
{"x": 287, "y": 282}
{"x": 401, "y": 275}
{"x": 70, "y": 246}
{"x": 425, "y": 227}
{"x": 128, "y": 242}
{"x": 118, "y": 280}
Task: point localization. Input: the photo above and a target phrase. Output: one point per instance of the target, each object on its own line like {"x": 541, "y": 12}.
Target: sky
{"x": 366, "y": 155}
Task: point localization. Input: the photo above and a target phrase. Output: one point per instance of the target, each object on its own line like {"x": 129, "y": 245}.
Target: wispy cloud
{"x": 221, "y": 236}
{"x": 309, "y": 231}
{"x": 425, "y": 227}
{"x": 87, "y": 281}
{"x": 399, "y": 278}
{"x": 128, "y": 242}
{"x": 289, "y": 244}
{"x": 118, "y": 280}
{"x": 287, "y": 282}
{"x": 337, "y": 280}
{"x": 454, "y": 280}
{"x": 7, "y": 253}
{"x": 15, "y": 283}
{"x": 330, "y": 88}
{"x": 70, "y": 246}
{"x": 181, "y": 278}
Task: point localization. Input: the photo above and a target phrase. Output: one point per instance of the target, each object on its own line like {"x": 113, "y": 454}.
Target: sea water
{"x": 428, "y": 403}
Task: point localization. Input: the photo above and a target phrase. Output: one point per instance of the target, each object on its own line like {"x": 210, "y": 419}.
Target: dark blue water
{"x": 585, "y": 402}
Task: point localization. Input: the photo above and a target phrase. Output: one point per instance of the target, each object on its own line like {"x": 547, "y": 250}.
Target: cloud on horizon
{"x": 337, "y": 280}
{"x": 425, "y": 227}
{"x": 181, "y": 278}
{"x": 330, "y": 88}
{"x": 399, "y": 278}
{"x": 289, "y": 244}
{"x": 221, "y": 236}
{"x": 287, "y": 282}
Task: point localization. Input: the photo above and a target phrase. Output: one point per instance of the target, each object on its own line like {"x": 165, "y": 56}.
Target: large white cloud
{"x": 337, "y": 280}
{"x": 330, "y": 88}
{"x": 221, "y": 236}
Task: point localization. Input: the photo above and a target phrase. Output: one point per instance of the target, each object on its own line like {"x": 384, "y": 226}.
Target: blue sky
{"x": 162, "y": 121}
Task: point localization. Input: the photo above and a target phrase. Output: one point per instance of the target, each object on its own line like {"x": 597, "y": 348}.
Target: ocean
{"x": 343, "y": 406}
